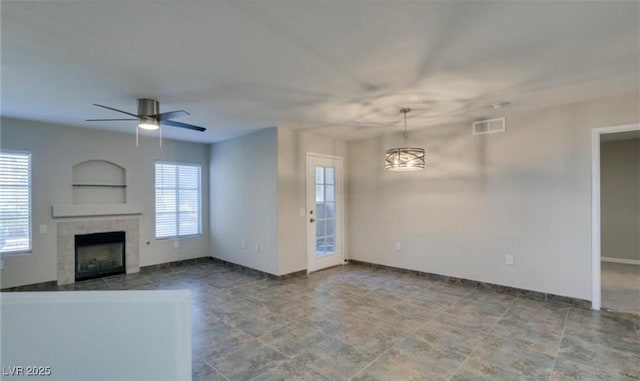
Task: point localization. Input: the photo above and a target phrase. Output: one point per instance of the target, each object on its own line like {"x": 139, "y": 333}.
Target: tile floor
{"x": 621, "y": 287}
{"x": 357, "y": 323}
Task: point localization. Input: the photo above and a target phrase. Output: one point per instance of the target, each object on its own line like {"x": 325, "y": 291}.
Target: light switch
{"x": 43, "y": 229}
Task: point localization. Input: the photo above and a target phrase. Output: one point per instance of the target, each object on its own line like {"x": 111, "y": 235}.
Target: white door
{"x": 324, "y": 212}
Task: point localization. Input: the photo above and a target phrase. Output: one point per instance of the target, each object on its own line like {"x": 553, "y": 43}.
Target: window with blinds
{"x": 178, "y": 209}
{"x": 15, "y": 202}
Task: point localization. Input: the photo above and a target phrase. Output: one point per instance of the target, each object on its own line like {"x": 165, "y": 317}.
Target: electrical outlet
{"x": 43, "y": 229}
{"x": 509, "y": 260}
{"x": 242, "y": 245}
{"x": 256, "y": 248}
{"x": 398, "y": 246}
{"x": 176, "y": 244}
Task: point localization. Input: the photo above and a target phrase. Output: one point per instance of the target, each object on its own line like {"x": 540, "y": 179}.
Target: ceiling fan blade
{"x": 181, "y": 125}
{"x": 172, "y": 115}
{"x": 115, "y": 109}
{"x": 106, "y": 120}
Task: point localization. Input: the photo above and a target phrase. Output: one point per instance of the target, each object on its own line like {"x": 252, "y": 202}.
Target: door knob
{"x": 312, "y": 220}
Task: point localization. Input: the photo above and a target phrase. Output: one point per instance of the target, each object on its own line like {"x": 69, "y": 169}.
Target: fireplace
{"x": 100, "y": 254}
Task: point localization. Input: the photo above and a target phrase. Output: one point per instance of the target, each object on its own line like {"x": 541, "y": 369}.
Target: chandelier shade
{"x": 404, "y": 158}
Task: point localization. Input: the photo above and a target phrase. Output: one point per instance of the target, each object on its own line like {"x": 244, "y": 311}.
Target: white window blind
{"x": 15, "y": 202}
{"x": 178, "y": 210}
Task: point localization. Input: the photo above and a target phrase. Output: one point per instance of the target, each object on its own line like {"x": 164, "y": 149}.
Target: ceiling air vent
{"x": 488, "y": 126}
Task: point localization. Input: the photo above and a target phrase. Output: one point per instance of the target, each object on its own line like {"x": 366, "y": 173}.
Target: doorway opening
{"x": 616, "y": 218}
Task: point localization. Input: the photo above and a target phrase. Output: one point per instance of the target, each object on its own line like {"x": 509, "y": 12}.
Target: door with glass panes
{"x": 324, "y": 212}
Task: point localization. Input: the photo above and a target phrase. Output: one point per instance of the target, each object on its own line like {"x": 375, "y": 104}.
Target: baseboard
{"x": 256, "y": 271}
{"x": 52, "y": 285}
{"x": 621, "y": 260}
{"x": 42, "y": 286}
{"x": 179, "y": 263}
{"x": 528, "y": 294}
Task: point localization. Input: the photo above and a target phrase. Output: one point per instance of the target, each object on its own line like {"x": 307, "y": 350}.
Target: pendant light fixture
{"x": 404, "y": 158}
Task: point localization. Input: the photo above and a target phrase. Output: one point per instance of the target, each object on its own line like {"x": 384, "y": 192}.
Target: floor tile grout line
{"x": 564, "y": 328}
{"x": 446, "y": 308}
{"x": 258, "y": 338}
{"x": 503, "y": 315}
{"x": 459, "y": 366}
{"x": 216, "y": 369}
{"x": 469, "y": 292}
{"x": 371, "y": 363}
{"x": 266, "y": 371}
{"x": 289, "y": 358}
{"x": 483, "y": 336}
{"x": 279, "y": 362}
{"x": 273, "y": 348}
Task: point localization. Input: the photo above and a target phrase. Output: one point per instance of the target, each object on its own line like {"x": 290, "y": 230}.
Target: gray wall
{"x": 620, "y": 190}
{"x": 526, "y": 192}
{"x": 244, "y": 201}
{"x": 55, "y": 150}
{"x": 293, "y": 146}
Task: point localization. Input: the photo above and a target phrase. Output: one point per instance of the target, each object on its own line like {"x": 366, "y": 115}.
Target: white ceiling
{"x": 342, "y": 68}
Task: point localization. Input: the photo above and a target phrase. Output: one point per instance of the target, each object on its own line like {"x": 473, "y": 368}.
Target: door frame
{"x": 596, "y": 234}
{"x": 339, "y": 191}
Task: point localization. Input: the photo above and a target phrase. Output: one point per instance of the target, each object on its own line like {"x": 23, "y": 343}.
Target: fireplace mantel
{"x": 93, "y": 210}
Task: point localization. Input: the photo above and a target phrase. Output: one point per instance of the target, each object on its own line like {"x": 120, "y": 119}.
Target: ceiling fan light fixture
{"x": 149, "y": 116}
{"x": 148, "y": 123}
{"x": 403, "y": 159}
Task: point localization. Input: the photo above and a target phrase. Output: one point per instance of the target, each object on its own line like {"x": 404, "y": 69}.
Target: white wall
{"x": 526, "y": 192}
{"x": 620, "y": 190}
{"x": 244, "y": 200}
{"x": 293, "y": 146}
{"x": 56, "y": 149}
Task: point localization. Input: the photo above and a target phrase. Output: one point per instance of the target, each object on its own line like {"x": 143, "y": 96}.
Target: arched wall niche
{"x": 99, "y": 182}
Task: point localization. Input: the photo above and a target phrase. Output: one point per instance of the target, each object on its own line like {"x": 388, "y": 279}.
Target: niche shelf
{"x": 100, "y": 185}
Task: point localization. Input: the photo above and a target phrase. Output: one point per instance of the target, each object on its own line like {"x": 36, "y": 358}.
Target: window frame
{"x": 177, "y": 212}
{"x": 28, "y": 153}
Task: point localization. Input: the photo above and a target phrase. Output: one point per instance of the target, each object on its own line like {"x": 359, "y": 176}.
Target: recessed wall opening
{"x": 620, "y": 221}
{"x": 616, "y": 218}
{"x": 99, "y": 255}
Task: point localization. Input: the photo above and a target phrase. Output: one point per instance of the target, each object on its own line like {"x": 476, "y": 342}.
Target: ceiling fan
{"x": 149, "y": 116}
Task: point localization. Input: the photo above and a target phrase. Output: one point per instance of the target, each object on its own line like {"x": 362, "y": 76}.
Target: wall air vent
{"x": 489, "y": 126}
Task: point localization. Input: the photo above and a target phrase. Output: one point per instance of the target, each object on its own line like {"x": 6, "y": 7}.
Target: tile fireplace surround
{"x": 66, "y": 243}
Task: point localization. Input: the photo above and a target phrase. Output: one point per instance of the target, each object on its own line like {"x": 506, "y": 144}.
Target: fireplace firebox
{"x": 100, "y": 254}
